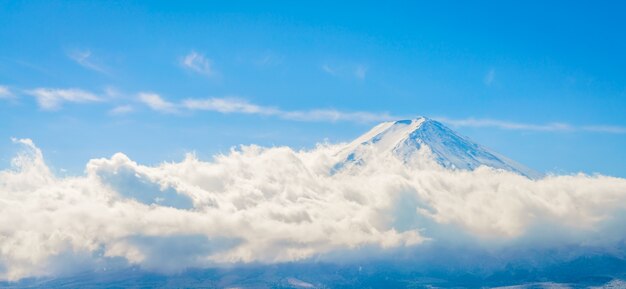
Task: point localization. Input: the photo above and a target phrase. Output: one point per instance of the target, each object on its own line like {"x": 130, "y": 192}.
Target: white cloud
{"x": 241, "y": 106}
{"x": 5, "y": 92}
{"x": 53, "y": 98}
{"x": 605, "y": 128}
{"x": 85, "y": 59}
{"x": 155, "y": 102}
{"x": 121, "y": 109}
{"x": 234, "y": 105}
{"x": 228, "y": 105}
{"x": 198, "y": 63}
{"x": 473, "y": 122}
{"x": 275, "y": 204}
{"x": 548, "y": 127}
{"x": 336, "y": 115}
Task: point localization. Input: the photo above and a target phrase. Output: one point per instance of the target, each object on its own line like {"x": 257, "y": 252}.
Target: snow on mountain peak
{"x": 405, "y": 138}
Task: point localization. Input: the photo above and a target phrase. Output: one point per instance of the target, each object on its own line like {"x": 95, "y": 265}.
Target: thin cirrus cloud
{"x": 53, "y": 98}
{"x": 157, "y": 103}
{"x": 605, "y": 128}
{"x": 359, "y": 71}
{"x": 198, "y": 63}
{"x": 121, "y": 109}
{"x": 240, "y": 106}
{"x": 86, "y": 59}
{"x": 234, "y": 105}
{"x": 326, "y": 68}
{"x": 5, "y": 92}
{"x": 547, "y": 127}
{"x": 228, "y": 105}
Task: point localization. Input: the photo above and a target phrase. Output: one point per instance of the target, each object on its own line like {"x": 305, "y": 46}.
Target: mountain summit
{"x": 405, "y": 138}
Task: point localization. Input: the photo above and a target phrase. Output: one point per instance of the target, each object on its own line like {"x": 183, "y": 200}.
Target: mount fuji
{"x": 423, "y": 137}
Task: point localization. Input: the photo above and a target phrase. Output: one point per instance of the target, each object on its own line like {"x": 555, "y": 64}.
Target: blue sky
{"x": 541, "y": 83}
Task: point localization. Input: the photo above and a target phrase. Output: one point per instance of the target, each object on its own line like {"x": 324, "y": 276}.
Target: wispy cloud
{"x": 122, "y": 109}
{"x": 198, "y": 63}
{"x": 234, "y": 105}
{"x": 547, "y": 127}
{"x": 269, "y": 59}
{"x": 228, "y": 105}
{"x": 605, "y": 128}
{"x": 156, "y": 102}
{"x": 358, "y": 71}
{"x": 231, "y": 105}
{"x": 489, "y": 77}
{"x": 5, "y": 92}
{"x": 53, "y": 98}
{"x": 85, "y": 59}
{"x": 328, "y": 69}
{"x": 336, "y": 115}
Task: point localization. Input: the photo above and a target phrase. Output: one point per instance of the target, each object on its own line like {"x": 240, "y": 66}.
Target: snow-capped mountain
{"x": 405, "y": 138}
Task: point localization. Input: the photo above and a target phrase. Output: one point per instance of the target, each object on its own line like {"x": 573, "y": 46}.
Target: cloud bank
{"x": 272, "y": 205}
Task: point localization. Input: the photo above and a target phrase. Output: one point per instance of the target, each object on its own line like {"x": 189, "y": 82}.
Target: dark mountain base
{"x": 580, "y": 273}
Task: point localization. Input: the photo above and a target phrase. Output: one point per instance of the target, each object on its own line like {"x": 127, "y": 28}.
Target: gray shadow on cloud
{"x": 171, "y": 254}
{"x": 131, "y": 184}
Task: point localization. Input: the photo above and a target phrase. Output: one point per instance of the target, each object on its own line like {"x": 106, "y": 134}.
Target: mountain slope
{"x": 405, "y": 138}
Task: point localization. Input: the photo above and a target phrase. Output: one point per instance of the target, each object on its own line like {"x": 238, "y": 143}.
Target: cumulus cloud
{"x": 53, "y": 98}
{"x": 198, "y": 63}
{"x": 271, "y": 205}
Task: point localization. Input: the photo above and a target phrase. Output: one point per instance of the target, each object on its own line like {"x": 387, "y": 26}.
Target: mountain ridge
{"x": 405, "y": 138}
